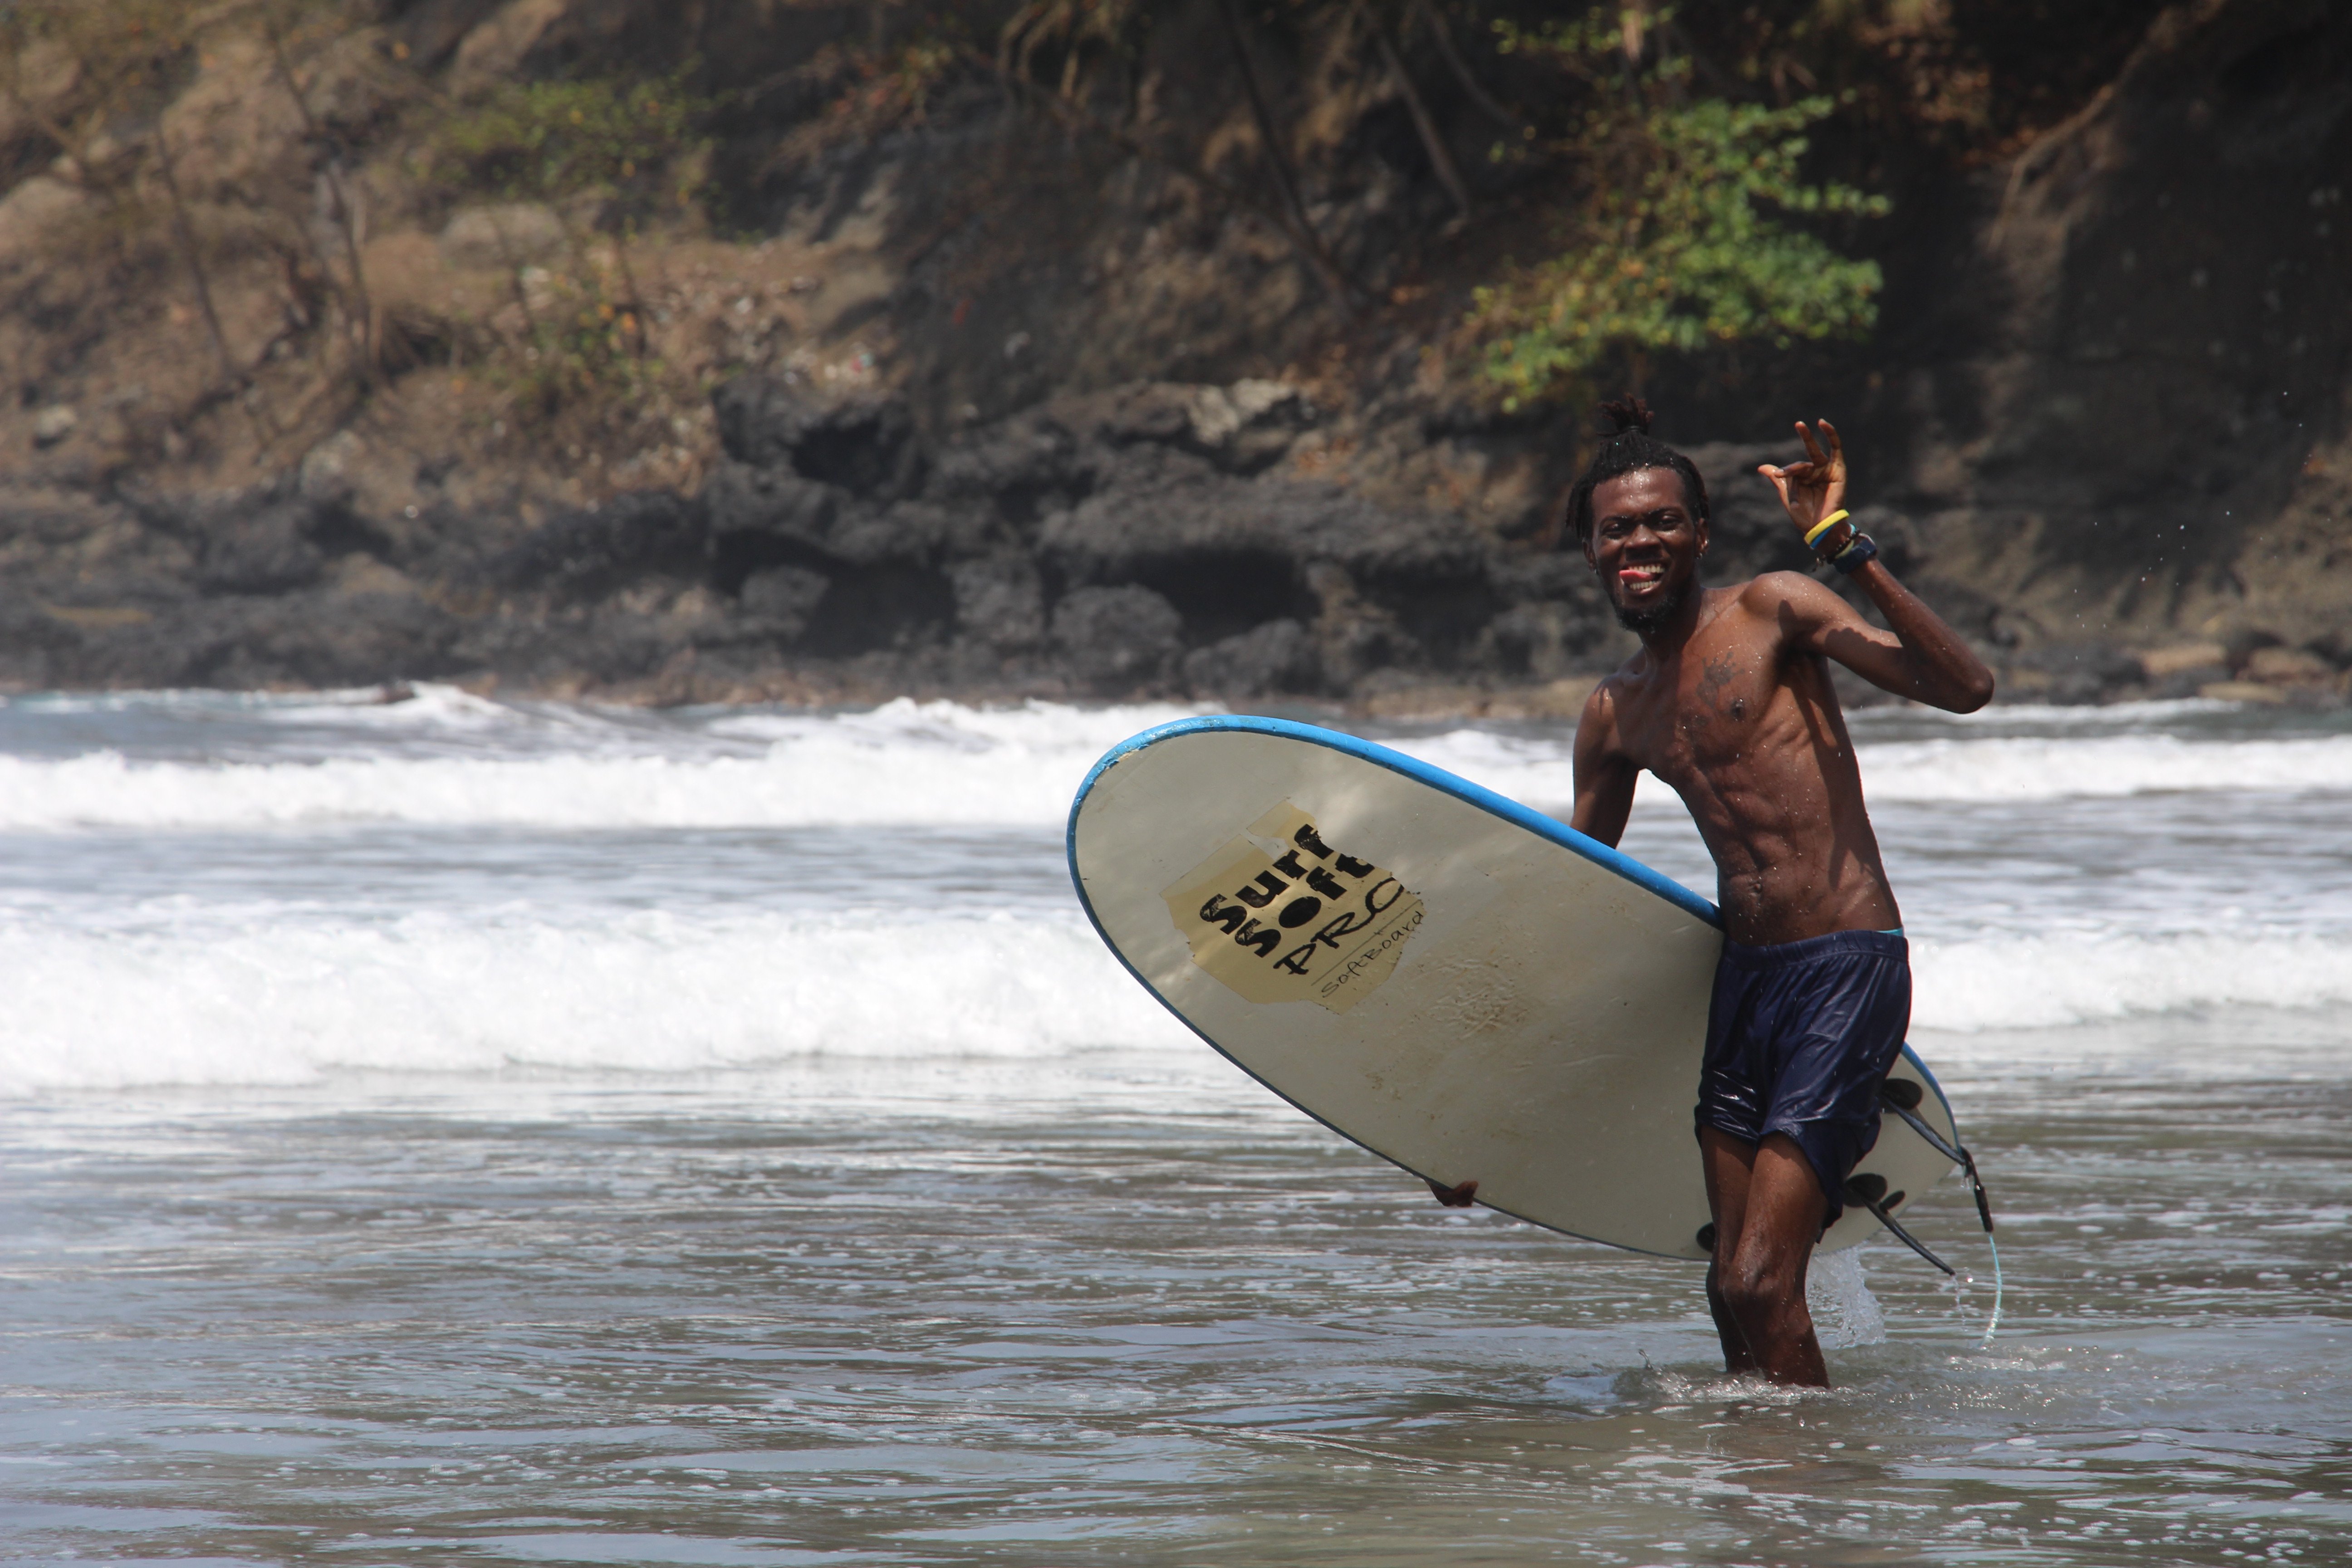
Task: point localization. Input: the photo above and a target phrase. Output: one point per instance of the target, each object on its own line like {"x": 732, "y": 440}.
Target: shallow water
{"x": 391, "y": 1176}
{"x": 834, "y": 1314}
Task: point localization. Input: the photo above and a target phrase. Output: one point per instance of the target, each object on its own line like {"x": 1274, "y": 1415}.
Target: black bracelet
{"x": 1861, "y": 548}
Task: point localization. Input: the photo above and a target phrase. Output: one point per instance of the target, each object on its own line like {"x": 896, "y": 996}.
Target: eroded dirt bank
{"x": 929, "y": 390}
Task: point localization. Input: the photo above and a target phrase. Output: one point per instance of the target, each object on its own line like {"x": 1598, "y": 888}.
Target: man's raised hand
{"x": 1813, "y": 490}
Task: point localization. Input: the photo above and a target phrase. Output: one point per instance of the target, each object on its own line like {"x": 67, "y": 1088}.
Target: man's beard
{"x": 1649, "y": 617}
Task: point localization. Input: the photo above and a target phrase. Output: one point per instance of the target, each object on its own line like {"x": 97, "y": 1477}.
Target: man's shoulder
{"x": 1776, "y": 606}
{"x": 1608, "y": 694}
{"x": 1767, "y": 591}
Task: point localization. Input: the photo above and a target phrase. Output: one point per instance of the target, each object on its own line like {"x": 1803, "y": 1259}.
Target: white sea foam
{"x": 905, "y": 762}
{"x": 2041, "y": 982}
{"x": 945, "y": 764}
{"x": 1540, "y": 771}
{"x": 105, "y": 989}
{"x": 265, "y": 1000}
{"x": 286, "y": 995}
{"x": 422, "y": 708}
{"x": 2072, "y": 718}
{"x": 2019, "y": 769}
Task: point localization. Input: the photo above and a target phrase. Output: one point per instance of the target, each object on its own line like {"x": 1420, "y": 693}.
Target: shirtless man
{"x": 1729, "y": 702}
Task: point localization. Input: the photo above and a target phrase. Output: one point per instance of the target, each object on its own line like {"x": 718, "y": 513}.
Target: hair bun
{"x": 1627, "y": 413}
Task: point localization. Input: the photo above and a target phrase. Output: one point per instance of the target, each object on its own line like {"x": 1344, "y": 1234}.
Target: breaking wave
{"x": 289, "y": 998}
{"x": 448, "y": 759}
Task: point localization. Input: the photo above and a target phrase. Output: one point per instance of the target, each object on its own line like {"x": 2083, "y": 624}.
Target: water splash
{"x": 1845, "y": 1314}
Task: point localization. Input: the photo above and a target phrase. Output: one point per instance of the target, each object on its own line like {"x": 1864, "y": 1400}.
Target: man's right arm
{"x": 1605, "y": 775}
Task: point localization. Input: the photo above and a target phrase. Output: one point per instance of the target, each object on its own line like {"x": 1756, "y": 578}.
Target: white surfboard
{"x": 1457, "y": 983}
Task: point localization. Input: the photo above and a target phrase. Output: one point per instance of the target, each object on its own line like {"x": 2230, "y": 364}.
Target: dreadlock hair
{"x": 1629, "y": 447}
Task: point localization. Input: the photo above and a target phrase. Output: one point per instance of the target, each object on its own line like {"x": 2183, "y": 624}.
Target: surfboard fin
{"x": 1458, "y": 1196}
{"x": 1902, "y": 1097}
{"x": 1869, "y": 1190}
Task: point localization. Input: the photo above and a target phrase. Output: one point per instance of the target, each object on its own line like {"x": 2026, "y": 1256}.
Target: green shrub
{"x": 578, "y": 360}
{"x": 582, "y": 354}
{"x": 544, "y": 140}
{"x": 1680, "y": 243}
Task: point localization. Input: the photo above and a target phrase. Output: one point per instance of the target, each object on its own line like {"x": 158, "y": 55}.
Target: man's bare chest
{"x": 1707, "y": 711}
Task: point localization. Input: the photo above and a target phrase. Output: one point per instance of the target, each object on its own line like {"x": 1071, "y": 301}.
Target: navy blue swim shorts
{"x": 1798, "y": 1037}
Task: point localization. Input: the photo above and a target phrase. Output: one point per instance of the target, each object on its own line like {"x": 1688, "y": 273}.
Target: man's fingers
{"x": 1799, "y": 479}
{"x": 1812, "y": 448}
{"x": 1837, "y": 448}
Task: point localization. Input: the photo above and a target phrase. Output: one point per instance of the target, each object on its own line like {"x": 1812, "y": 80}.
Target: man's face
{"x": 1645, "y": 544}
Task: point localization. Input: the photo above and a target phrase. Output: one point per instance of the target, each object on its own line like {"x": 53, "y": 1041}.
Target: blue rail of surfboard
{"x": 1437, "y": 778}
{"x": 1414, "y": 768}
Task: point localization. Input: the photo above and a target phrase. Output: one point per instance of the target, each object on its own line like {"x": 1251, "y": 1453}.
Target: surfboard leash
{"x": 1903, "y": 1097}
{"x": 1992, "y": 1324}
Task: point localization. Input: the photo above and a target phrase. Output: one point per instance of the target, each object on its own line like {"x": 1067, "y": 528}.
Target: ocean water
{"x": 450, "y": 1131}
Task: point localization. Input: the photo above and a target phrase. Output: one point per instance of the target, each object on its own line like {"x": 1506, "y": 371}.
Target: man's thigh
{"x": 1783, "y": 1207}
{"x": 1771, "y": 1181}
{"x": 1727, "y": 1162}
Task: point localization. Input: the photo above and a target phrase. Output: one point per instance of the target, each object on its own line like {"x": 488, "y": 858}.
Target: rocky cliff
{"x": 939, "y": 388}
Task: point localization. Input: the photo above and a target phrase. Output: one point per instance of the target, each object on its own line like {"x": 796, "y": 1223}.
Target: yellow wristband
{"x": 1824, "y": 526}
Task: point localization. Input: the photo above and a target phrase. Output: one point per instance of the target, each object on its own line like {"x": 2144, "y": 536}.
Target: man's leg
{"x": 1726, "y": 1160}
{"x": 1759, "y": 1273}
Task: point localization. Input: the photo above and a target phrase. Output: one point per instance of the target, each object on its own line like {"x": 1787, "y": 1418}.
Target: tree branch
{"x": 1335, "y": 282}
{"x": 1435, "y": 20}
{"x": 360, "y": 307}
{"x": 1075, "y": 117}
{"x": 1441, "y": 157}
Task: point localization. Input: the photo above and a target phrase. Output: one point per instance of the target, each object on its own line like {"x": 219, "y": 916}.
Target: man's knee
{"x": 1757, "y": 1286}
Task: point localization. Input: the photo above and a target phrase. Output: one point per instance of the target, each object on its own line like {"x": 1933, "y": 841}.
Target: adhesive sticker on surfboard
{"x": 1278, "y": 915}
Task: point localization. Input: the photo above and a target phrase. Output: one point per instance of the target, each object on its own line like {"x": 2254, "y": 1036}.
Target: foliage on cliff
{"x": 550, "y": 140}
{"x": 1686, "y": 206}
{"x": 1683, "y": 240}
{"x": 576, "y": 352}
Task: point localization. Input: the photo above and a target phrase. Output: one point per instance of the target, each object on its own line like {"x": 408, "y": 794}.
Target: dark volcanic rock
{"x": 864, "y": 444}
{"x": 319, "y": 640}
{"x": 1118, "y": 637}
{"x": 588, "y": 554}
{"x": 781, "y": 599}
{"x": 2089, "y": 672}
{"x": 1102, "y": 543}
{"x": 1277, "y": 657}
{"x": 311, "y": 638}
{"x": 999, "y": 602}
{"x": 1748, "y": 529}
{"x": 264, "y": 551}
{"x": 1149, "y": 538}
{"x": 1167, "y": 513}
{"x": 755, "y": 511}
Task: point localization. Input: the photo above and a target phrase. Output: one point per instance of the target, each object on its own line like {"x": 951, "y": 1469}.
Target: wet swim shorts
{"x": 1798, "y": 1037}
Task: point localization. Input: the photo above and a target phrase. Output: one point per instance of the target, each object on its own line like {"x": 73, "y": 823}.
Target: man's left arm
{"x": 1919, "y": 656}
